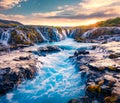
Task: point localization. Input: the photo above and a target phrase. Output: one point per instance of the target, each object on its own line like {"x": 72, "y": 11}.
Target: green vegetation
{"x": 94, "y": 88}
{"x": 7, "y": 23}
{"x": 111, "y": 99}
{"x": 25, "y": 35}
{"x": 109, "y": 22}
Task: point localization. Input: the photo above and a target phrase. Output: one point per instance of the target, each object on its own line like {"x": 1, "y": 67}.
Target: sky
{"x": 59, "y": 12}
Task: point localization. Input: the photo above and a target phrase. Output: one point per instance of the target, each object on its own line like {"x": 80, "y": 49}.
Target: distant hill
{"x": 114, "y": 22}
{"x": 109, "y": 22}
{"x": 7, "y": 23}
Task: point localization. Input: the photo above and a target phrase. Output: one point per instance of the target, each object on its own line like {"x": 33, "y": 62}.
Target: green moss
{"x": 94, "y": 88}
{"x": 59, "y": 29}
{"x": 110, "y": 22}
{"x": 111, "y": 99}
{"x": 111, "y": 68}
{"x": 78, "y": 39}
{"x": 100, "y": 82}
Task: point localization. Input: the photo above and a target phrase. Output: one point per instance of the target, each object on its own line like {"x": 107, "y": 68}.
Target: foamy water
{"x": 57, "y": 81}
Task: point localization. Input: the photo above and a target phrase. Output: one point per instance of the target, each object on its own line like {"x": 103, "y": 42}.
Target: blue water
{"x": 57, "y": 81}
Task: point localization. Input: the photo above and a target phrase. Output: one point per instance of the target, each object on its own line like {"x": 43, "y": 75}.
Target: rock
{"x": 110, "y": 99}
{"x": 117, "y": 75}
{"x": 83, "y": 74}
{"x": 10, "y": 78}
{"x": 112, "y": 68}
{"x": 5, "y": 87}
{"x": 81, "y": 52}
{"x": 48, "y": 49}
{"x": 4, "y": 71}
{"x": 118, "y": 69}
{"x": 103, "y": 84}
{"x": 116, "y": 91}
{"x": 13, "y": 76}
{"x": 83, "y": 67}
{"x": 95, "y": 67}
{"x": 85, "y": 99}
{"x": 113, "y": 56}
{"x": 109, "y": 78}
{"x": 73, "y": 101}
{"x": 106, "y": 90}
{"x": 93, "y": 47}
{"x": 24, "y": 58}
{"x": 78, "y": 39}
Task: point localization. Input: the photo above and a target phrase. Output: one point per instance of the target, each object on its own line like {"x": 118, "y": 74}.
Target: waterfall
{"x": 46, "y": 34}
{"x": 58, "y": 36}
{"x": 72, "y": 33}
{"x": 41, "y": 35}
{"x": 88, "y": 33}
{"x": 64, "y": 33}
{"x": 19, "y": 32}
{"x": 5, "y": 36}
{"x": 68, "y": 31}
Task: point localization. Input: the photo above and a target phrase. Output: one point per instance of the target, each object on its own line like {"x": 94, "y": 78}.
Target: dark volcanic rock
{"x": 102, "y": 72}
{"x": 10, "y": 78}
{"x": 112, "y": 56}
{"x": 81, "y": 52}
{"x": 48, "y": 50}
{"x": 4, "y": 71}
{"x": 22, "y": 58}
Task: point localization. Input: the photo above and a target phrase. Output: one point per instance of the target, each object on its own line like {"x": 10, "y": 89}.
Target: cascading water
{"x": 64, "y": 33}
{"x": 57, "y": 35}
{"x": 5, "y": 36}
{"x": 23, "y": 34}
{"x": 68, "y": 31}
{"x": 57, "y": 81}
{"x": 72, "y": 33}
{"x": 88, "y": 33}
{"x": 41, "y": 35}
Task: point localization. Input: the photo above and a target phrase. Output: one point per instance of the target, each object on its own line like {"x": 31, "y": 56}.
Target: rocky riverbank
{"x": 15, "y": 67}
{"x": 29, "y": 35}
{"x": 101, "y": 65}
{"x": 96, "y": 35}
{"x": 17, "y": 64}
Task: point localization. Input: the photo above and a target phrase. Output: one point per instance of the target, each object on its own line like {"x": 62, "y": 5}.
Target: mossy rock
{"x": 101, "y": 82}
{"x": 112, "y": 68}
{"x": 99, "y": 32}
{"x": 78, "y": 39}
{"x": 59, "y": 29}
{"x": 94, "y": 88}
{"x": 111, "y": 99}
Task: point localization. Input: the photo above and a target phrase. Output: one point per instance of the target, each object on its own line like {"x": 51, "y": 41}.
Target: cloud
{"x": 8, "y": 4}
{"x": 83, "y": 13}
{"x": 87, "y": 9}
{"x": 12, "y": 17}
{"x": 47, "y": 14}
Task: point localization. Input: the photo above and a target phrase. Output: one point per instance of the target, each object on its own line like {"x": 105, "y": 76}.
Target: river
{"x": 57, "y": 81}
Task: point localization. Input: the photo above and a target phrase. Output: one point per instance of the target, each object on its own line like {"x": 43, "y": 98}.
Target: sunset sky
{"x": 59, "y": 12}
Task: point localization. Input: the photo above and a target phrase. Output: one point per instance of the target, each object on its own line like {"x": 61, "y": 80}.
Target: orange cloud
{"x": 7, "y": 4}
{"x": 86, "y": 12}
